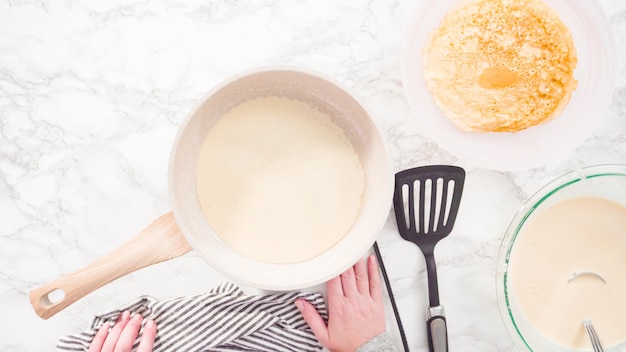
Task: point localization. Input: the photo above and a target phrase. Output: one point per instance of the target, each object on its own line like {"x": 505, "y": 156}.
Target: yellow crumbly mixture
{"x": 500, "y": 65}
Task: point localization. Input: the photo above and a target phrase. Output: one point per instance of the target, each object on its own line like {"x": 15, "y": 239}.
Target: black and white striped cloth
{"x": 224, "y": 319}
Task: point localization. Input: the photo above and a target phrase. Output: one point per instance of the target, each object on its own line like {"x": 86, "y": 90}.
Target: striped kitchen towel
{"x": 224, "y": 319}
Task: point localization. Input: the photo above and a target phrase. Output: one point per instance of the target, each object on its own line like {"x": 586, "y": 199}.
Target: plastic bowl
{"x": 601, "y": 181}
{"x": 538, "y": 145}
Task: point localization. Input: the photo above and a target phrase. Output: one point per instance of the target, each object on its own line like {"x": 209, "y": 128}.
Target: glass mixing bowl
{"x": 601, "y": 181}
{"x": 535, "y": 146}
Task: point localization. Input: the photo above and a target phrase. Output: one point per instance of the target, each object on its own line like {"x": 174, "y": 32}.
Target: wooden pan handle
{"x": 160, "y": 241}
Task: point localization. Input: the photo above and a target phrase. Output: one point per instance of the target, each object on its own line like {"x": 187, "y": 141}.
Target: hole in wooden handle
{"x": 52, "y": 297}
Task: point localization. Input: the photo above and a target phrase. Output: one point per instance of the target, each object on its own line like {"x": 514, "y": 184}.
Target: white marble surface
{"x": 92, "y": 94}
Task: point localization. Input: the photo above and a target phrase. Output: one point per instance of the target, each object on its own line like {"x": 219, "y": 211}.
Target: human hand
{"x": 123, "y": 335}
{"x": 355, "y": 308}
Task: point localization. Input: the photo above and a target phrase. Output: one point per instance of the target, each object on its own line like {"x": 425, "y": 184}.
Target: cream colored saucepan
{"x": 185, "y": 228}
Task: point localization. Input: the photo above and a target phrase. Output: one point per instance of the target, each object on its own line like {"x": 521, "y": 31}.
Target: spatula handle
{"x": 437, "y": 330}
{"x": 160, "y": 241}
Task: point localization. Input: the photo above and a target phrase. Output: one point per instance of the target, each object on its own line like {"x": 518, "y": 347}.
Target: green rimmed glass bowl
{"x": 600, "y": 181}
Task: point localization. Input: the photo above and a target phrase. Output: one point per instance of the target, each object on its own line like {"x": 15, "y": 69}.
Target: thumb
{"x": 315, "y": 321}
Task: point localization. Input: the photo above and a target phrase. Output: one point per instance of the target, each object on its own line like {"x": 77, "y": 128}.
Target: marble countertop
{"x": 92, "y": 95}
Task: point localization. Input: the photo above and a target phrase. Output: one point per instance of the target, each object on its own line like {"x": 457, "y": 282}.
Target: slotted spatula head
{"x": 426, "y": 201}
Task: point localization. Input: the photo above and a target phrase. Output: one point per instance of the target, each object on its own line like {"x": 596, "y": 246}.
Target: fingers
{"x": 314, "y": 320}
{"x": 98, "y": 340}
{"x": 334, "y": 289}
{"x": 114, "y": 334}
{"x": 122, "y": 336}
{"x": 147, "y": 339}
{"x": 129, "y": 334}
{"x": 361, "y": 277}
{"x": 348, "y": 283}
{"x": 374, "y": 276}
{"x": 358, "y": 278}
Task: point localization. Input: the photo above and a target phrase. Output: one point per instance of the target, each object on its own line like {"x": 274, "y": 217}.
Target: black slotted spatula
{"x": 426, "y": 201}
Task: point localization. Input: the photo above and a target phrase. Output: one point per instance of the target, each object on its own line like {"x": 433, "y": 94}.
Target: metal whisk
{"x": 595, "y": 342}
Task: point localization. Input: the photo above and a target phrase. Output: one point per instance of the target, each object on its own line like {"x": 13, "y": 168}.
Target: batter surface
{"x": 278, "y": 181}
{"x": 567, "y": 266}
